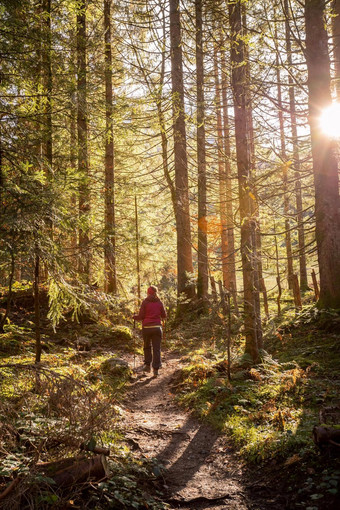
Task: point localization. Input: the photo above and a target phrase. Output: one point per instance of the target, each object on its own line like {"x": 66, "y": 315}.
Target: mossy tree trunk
{"x": 202, "y": 251}
{"x": 82, "y": 129}
{"x": 110, "y": 233}
{"x": 252, "y": 323}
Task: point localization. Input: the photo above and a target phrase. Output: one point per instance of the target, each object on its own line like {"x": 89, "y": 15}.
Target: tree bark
{"x": 202, "y": 252}
{"x": 75, "y": 470}
{"x": 110, "y": 226}
{"x": 315, "y": 285}
{"x": 137, "y": 251}
{"x": 296, "y": 157}
{"x": 37, "y": 306}
{"x": 82, "y": 128}
{"x": 336, "y": 44}
{"x": 2, "y": 179}
{"x": 278, "y": 280}
{"x": 184, "y": 251}
{"x": 10, "y": 292}
{"x": 254, "y": 203}
{"x": 47, "y": 82}
{"x": 231, "y": 268}
{"x": 325, "y": 166}
{"x": 243, "y": 152}
{"x": 73, "y": 164}
{"x": 221, "y": 173}
{"x": 285, "y": 168}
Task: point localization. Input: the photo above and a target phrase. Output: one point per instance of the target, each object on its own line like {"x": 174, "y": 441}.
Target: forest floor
{"x": 202, "y": 471}
{"x": 191, "y": 438}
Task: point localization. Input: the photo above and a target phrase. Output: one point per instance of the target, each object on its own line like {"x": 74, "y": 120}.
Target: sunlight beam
{"x": 330, "y": 121}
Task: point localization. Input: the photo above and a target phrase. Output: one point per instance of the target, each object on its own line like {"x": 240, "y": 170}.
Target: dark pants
{"x": 152, "y": 346}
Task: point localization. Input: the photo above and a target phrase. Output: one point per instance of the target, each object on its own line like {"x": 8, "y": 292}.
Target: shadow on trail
{"x": 195, "y": 454}
{"x": 143, "y": 381}
{"x": 150, "y": 388}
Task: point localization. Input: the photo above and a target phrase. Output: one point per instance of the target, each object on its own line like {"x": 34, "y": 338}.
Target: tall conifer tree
{"x": 184, "y": 249}
{"x": 325, "y": 165}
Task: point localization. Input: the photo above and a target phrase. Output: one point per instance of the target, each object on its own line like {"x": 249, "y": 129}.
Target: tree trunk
{"x": 336, "y": 44}
{"x": 47, "y": 82}
{"x": 325, "y": 167}
{"x": 243, "y": 152}
{"x": 37, "y": 306}
{"x": 9, "y": 298}
{"x": 231, "y": 278}
{"x": 184, "y": 252}
{"x": 73, "y": 163}
{"x": 2, "y": 180}
{"x": 254, "y": 203}
{"x": 47, "y": 143}
{"x": 296, "y": 157}
{"x": 285, "y": 167}
{"x": 278, "y": 280}
{"x": 221, "y": 174}
{"x": 202, "y": 255}
{"x": 83, "y": 165}
{"x": 72, "y": 104}
{"x": 137, "y": 251}
{"x": 315, "y": 285}
{"x": 110, "y": 235}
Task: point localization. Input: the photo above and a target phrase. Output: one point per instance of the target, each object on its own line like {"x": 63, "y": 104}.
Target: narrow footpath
{"x": 202, "y": 472}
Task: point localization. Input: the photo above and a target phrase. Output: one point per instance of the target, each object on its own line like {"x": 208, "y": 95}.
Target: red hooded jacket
{"x": 151, "y": 312}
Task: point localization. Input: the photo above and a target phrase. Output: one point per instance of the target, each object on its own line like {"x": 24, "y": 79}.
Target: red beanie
{"x": 152, "y": 290}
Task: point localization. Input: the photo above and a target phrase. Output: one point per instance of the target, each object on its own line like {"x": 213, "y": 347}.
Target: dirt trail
{"x": 201, "y": 470}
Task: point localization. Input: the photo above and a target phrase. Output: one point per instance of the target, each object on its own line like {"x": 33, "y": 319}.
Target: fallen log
{"x": 76, "y": 470}
{"x": 51, "y": 468}
{"x": 326, "y": 437}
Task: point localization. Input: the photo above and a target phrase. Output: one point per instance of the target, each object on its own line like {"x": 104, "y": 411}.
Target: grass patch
{"x": 269, "y": 410}
{"x": 48, "y": 411}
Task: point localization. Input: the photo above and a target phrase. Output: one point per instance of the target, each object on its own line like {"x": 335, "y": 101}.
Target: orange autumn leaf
{"x": 210, "y": 225}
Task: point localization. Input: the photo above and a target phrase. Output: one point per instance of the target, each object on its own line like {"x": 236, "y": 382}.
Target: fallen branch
{"x": 101, "y": 450}
{"x": 10, "y": 488}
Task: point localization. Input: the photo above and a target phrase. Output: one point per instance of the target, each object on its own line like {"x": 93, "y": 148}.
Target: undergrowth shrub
{"x": 119, "y": 336}
{"x": 261, "y": 408}
{"x": 46, "y": 415}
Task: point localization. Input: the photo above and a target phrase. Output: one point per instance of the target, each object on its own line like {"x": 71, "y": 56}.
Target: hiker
{"x": 151, "y": 314}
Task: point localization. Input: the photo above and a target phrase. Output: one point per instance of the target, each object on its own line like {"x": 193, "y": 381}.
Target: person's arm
{"x": 163, "y": 312}
{"x": 141, "y": 314}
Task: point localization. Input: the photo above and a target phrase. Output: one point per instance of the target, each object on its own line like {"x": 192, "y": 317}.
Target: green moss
{"x": 269, "y": 410}
{"x": 119, "y": 337}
